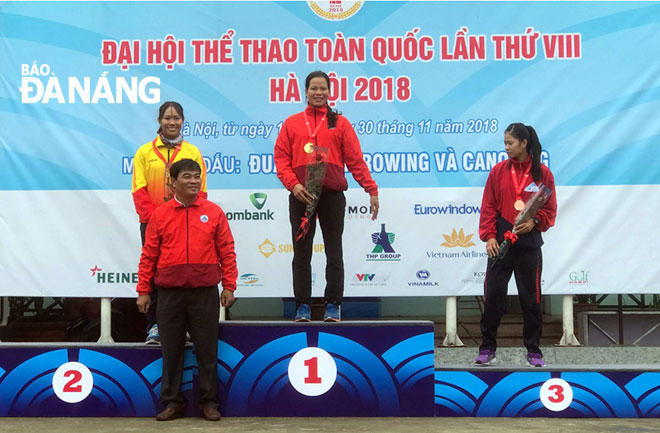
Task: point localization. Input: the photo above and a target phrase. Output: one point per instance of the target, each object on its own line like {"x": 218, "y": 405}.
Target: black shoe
{"x": 211, "y": 414}
{"x": 168, "y": 414}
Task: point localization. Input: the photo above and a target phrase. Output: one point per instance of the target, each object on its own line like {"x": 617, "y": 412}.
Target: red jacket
{"x": 499, "y": 197}
{"x": 343, "y": 145}
{"x": 187, "y": 247}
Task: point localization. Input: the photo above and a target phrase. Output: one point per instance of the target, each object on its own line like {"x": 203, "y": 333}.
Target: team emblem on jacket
{"x": 204, "y": 218}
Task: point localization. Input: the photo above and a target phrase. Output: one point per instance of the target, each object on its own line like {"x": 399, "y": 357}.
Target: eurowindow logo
{"x": 464, "y": 209}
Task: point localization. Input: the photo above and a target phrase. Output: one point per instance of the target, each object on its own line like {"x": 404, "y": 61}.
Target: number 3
{"x": 559, "y": 394}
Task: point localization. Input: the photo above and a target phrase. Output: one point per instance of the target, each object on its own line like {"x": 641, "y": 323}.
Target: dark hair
{"x": 526, "y": 132}
{"x": 332, "y": 114}
{"x": 163, "y": 108}
{"x": 184, "y": 165}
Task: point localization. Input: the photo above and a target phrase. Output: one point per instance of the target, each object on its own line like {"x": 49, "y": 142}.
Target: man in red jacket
{"x": 188, "y": 250}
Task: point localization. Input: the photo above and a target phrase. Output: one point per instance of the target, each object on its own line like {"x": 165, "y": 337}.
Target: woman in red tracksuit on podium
{"x": 320, "y": 127}
{"x": 510, "y": 184}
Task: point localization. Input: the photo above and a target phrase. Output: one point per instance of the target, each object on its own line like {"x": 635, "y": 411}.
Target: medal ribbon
{"x": 518, "y": 187}
{"x": 309, "y": 130}
{"x": 168, "y": 164}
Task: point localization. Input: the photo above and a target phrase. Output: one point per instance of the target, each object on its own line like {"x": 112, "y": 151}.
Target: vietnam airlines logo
{"x": 457, "y": 240}
{"x": 258, "y": 199}
{"x": 267, "y": 248}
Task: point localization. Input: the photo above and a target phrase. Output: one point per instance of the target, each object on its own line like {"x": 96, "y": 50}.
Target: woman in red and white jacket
{"x": 510, "y": 184}
{"x": 319, "y": 126}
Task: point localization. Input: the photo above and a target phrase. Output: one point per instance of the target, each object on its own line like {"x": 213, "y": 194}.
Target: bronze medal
{"x": 519, "y": 205}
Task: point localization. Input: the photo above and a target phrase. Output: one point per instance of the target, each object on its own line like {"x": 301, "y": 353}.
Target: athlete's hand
{"x": 302, "y": 194}
{"x": 143, "y": 302}
{"x": 525, "y": 227}
{"x": 492, "y": 247}
{"x": 374, "y": 207}
{"x": 227, "y": 298}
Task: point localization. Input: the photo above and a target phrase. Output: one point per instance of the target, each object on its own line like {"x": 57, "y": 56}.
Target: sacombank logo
{"x": 383, "y": 250}
{"x": 267, "y": 248}
{"x": 457, "y": 239}
{"x": 335, "y": 10}
{"x": 258, "y": 199}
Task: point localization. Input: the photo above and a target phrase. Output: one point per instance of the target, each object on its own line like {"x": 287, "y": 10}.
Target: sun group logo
{"x": 464, "y": 209}
{"x": 258, "y": 200}
{"x": 359, "y": 213}
{"x": 578, "y": 278}
{"x": 113, "y": 277}
{"x": 383, "y": 251}
{"x": 369, "y": 279}
{"x": 249, "y": 280}
{"x": 457, "y": 240}
{"x": 267, "y": 248}
{"x": 335, "y": 10}
{"x": 423, "y": 275}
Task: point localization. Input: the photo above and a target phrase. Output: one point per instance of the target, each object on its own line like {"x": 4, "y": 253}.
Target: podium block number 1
{"x": 312, "y": 371}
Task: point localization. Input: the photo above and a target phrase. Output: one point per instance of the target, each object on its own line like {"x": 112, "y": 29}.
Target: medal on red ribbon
{"x": 519, "y": 204}
{"x": 168, "y": 164}
{"x": 309, "y": 147}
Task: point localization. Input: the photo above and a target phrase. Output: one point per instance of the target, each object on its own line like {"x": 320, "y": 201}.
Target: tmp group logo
{"x": 258, "y": 201}
{"x": 383, "y": 251}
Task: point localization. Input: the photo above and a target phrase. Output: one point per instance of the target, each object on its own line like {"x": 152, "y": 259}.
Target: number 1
{"x": 312, "y": 365}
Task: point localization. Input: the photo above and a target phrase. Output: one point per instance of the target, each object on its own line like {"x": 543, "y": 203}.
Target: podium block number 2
{"x": 312, "y": 371}
{"x": 72, "y": 382}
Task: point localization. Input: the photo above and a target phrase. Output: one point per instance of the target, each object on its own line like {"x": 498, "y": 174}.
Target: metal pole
{"x": 568, "y": 337}
{"x": 619, "y": 315}
{"x": 451, "y": 337}
{"x": 106, "y": 321}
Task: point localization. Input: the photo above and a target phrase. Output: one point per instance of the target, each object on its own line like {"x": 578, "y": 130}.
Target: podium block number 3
{"x": 72, "y": 382}
{"x": 556, "y": 394}
{"x": 312, "y": 371}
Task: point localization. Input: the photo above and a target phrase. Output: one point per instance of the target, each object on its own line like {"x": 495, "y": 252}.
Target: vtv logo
{"x": 365, "y": 277}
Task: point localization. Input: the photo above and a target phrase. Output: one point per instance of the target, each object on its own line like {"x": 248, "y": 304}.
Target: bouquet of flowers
{"x": 313, "y": 184}
{"x": 532, "y": 206}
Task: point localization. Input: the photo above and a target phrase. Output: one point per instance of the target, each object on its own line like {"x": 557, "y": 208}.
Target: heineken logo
{"x": 258, "y": 199}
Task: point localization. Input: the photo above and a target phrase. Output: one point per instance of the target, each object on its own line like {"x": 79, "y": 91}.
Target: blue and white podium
{"x": 265, "y": 369}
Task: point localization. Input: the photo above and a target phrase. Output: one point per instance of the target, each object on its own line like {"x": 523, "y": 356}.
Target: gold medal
{"x": 519, "y": 205}
{"x": 309, "y": 148}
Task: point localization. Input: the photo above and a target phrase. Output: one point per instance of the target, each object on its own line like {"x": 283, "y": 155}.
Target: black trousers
{"x": 526, "y": 265}
{"x": 151, "y": 311}
{"x": 195, "y": 310}
{"x": 330, "y": 211}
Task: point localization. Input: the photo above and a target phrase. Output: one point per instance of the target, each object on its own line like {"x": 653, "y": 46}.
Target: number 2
{"x": 75, "y": 378}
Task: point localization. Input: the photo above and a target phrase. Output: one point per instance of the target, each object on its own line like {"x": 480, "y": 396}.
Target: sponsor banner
{"x": 427, "y": 85}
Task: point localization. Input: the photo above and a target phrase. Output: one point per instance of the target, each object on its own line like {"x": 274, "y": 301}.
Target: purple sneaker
{"x": 486, "y": 357}
{"x": 535, "y": 360}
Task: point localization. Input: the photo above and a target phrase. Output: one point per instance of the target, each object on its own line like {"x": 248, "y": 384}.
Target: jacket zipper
{"x": 187, "y": 237}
